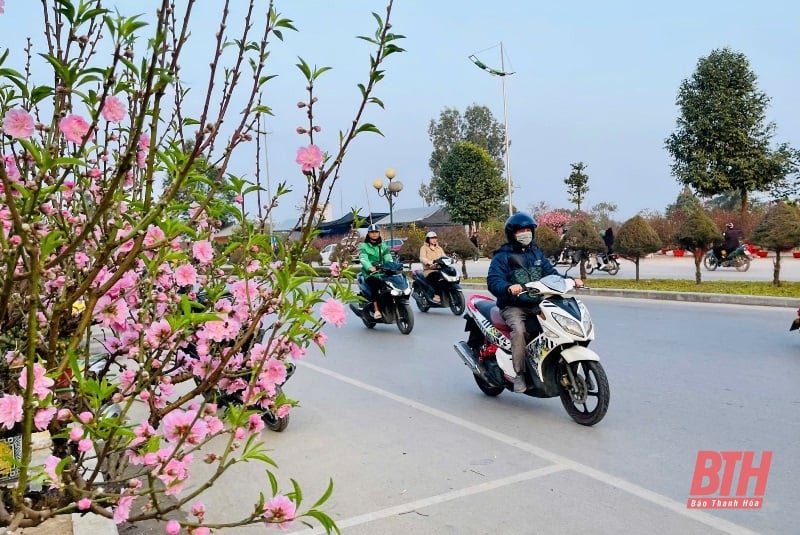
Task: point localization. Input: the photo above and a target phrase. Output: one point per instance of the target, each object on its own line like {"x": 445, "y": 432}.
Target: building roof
{"x": 431, "y": 216}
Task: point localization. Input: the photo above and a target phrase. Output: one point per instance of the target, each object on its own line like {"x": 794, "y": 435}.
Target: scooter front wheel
{"x": 585, "y": 393}
{"x": 405, "y": 318}
{"x": 709, "y": 262}
{"x": 613, "y": 266}
{"x": 457, "y": 304}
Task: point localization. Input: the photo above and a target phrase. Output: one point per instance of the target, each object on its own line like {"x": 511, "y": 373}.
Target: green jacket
{"x": 370, "y": 254}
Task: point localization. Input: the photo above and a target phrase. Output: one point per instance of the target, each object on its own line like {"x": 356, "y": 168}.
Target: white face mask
{"x": 525, "y": 238}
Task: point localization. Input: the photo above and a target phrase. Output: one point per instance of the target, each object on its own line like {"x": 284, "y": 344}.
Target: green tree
{"x": 583, "y": 236}
{"x": 470, "y": 184}
{"x": 697, "y": 233}
{"x": 477, "y": 125}
{"x": 722, "y": 139}
{"x": 636, "y": 239}
{"x": 577, "y": 184}
{"x": 778, "y": 231}
{"x": 454, "y": 241}
{"x": 686, "y": 202}
{"x": 547, "y": 240}
{"x": 602, "y": 213}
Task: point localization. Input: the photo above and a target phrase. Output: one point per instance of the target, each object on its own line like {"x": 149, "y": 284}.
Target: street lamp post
{"x": 390, "y": 191}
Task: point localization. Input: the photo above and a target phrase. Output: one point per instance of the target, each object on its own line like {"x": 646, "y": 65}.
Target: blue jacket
{"x": 514, "y": 264}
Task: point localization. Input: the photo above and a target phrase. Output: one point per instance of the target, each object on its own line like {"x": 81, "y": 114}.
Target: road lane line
{"x": 445, "y": 497}
{"x": 560, "y": 461}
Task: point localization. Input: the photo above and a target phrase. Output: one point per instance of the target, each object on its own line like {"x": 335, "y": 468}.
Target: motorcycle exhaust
{"x": 468, "y": 356}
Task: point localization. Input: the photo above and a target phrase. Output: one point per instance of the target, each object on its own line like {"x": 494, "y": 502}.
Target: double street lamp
{"x": 389, "y": 191}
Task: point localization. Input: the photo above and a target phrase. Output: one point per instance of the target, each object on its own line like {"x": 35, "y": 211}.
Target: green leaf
{"x": 324, "y": 497}
{"x": 368, "y": 127}
{"x": 305, "y": 69}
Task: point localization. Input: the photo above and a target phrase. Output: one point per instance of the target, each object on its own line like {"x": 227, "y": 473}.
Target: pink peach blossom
{"x": 333, "y": 311}
{"x": 84, "y": 504}
{"x": 113, "y": 110}
{"x": 309, "y": 158}
{"x": 203, "y": 252}
{"x": 75, "y": 129}
{"x": 10, "y": 410}
{"x": 18, "y": 123}
{"x": 186, "y": 275}
{"x": 172, "y": 527}
{"x": 280, "y": 511}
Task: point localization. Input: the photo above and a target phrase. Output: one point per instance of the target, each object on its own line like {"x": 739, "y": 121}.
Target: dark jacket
{"x": 732, "y": 239}
{"x": 513, "y": 264}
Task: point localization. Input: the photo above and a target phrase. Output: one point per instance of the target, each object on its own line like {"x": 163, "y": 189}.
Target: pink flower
{"x": 336, "y": 269}
{"x": 50, "y": 465}
{"x": 203, "y": 252}
{"x": 84, "y": 504}
{"x": 84, "y": 445}
{"x": 2, "y": 6}
{"x": 41, "y": 383}
{"x": 113, "y": 110}
{"x": 18, "y": 123}
{"x": 309, "y": 158}
{"x": 186, "y": 275}
{"x": 280, "y": 511}
{"x": 123, "y": 510}
{"x": 43, "y": 417}
{"x": 75, "y": 129}
{"x": 333, "y": 311}
{"x": 172, "y": 527}
{"x": 199, "y": 509}
{"x": 10, "y": 410}
{"x": 144, "y": 142}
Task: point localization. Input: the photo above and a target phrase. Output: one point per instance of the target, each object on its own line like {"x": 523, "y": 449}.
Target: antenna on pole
{"x": 502, "y": 73}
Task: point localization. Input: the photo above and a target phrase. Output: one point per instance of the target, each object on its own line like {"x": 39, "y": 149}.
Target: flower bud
{"x": 301, "y": 130}
{"x": 301, "y": 104}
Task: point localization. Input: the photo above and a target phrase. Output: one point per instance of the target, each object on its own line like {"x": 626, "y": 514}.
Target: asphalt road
{"x": 414, "y": 447}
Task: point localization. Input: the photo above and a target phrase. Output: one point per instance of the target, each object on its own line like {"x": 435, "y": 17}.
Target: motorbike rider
{"x": 373, "y": 251}
{"x": 731, "y": 239}
{"x": 515, "y": 263}
{"x": 608, "y": 239}
{"x": 428, "y": 254}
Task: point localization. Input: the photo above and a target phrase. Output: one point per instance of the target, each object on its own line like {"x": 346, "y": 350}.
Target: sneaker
{"x": 377, "y": 315}
{"x": 437, "y": 299}
{"x": 519, "y": 384}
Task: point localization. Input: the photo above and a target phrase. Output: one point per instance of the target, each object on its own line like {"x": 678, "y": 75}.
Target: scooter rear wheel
{"x": 586, "y": 399}
{"x": 488, "y": 389}
{"x": 742, "y": 263}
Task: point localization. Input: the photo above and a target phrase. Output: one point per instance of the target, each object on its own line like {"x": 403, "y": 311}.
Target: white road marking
{"x": 559, "y": 463}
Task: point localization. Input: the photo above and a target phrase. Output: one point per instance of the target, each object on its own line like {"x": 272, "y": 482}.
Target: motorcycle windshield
{"x": 397, "y": 281}
{"x": 555, "y": 282}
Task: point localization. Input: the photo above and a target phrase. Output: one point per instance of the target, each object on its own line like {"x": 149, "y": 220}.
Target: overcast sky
{"x": 594, "y": 82}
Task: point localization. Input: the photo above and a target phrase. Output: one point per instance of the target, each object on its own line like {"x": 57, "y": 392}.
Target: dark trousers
{"x": 516, "y": 318}
{"x": 435, "y": 280}
{"x": 374, "y": 285}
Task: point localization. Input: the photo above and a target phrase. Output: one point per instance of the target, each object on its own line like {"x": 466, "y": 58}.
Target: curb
{"x": 694, "y": 297}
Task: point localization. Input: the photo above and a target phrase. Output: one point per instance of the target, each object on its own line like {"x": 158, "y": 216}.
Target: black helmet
{"x": 518, "y": 221}
{"x": 373, "y": 228}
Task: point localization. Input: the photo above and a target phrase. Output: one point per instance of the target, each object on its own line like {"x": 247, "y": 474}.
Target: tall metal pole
{"x": 505, "y": 118}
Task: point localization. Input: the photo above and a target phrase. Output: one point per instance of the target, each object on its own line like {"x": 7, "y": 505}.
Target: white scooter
{"x": 557, "y": 361}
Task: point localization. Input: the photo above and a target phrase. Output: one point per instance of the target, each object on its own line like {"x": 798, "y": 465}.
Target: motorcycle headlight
{"x": 569, "y": 324}
{"x": 587, "y": 319}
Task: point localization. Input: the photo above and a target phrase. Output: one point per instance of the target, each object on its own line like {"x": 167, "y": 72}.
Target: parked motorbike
{"x": 567, "y": 257}
{"x": 392, "y": 299}
{"x": 451, "y": 294}
{"x": 796, "y": 323}
{"x": 739, "y": 258}
{"x": 603, "y": 262}
{"x": 558, "y": 362}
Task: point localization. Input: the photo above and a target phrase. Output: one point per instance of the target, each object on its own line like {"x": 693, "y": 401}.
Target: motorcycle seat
{"x": 488, "y": 309}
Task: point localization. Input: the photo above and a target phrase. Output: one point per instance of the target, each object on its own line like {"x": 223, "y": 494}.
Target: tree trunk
{"x": 698, "y": 259}
{"x": 744, "y": 202}
{"x": 636, "y": 263}
{"x": 776, "y": 272}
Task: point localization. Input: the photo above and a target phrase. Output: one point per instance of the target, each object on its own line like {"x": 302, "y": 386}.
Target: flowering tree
{"x": 93, "y": 253}
{"x": 555, "y": 219}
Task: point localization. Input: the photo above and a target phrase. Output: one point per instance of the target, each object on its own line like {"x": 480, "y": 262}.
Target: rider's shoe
{"x": 377, "y": 315}
{"x": 519, "y": 384}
